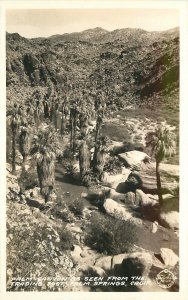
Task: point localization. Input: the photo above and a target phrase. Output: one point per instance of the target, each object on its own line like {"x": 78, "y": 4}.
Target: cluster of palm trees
{"x": 35, "y": 128}
{"x": 40, "y": 124}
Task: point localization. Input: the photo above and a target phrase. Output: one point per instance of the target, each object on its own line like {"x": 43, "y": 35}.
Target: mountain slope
{"x": 134, "y": 66}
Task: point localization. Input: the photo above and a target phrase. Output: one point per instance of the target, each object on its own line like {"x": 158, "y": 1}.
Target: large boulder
{"x": 144, "y": 200}
{"x": 134, "y": 158}
{"x": 169, "y": 213}
{"x": 146, "y": 181}
{"x": 134, "y": 264}
{"x": 94, "y": 271}
{"x": 172, "y": 170}
{"x": 114, "y": 181}
{"x": 121, "y": 147}
{"x": 169, "y": 257}
{"x": 75, "y": 253}
{"x": 170, "y": 219}
{"x": 116, "y": 210}
{"x": 130, "y": 199}
{"x": 104, "y": 263}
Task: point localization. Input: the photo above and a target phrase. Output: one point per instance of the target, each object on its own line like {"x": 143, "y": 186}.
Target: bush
{"x": 110, "y": 236}
{"x": 66, "y": 239}
{"x": 28, "y": 179}
{"x": 89, "y": 178}
{"x": 76, "y": 207}
{"x": 113, "y": 166}
{"x": 67, "y": 154}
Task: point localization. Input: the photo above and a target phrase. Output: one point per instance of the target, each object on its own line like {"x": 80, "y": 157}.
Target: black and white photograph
{"x": 92, "y": 149}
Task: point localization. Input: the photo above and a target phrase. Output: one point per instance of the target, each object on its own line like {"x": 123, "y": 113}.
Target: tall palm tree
{"x": 24, "y": 143}
{"x": 162, "y": 143}
{"x": 14, "y": 118}
{"x": 84, "y": 158}
{"x": 99, "y": 157}
{"x": 45, "y": 149}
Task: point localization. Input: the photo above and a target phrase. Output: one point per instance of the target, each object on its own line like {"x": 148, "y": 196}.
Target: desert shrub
{"x": 89, "y": 178}
{"x": 70, "y": 168}
{"x": 28, "y": 179}
{"x": 77, "y": 206}
{"x": 66, "y": 239}
{"x": 67, "y": 153}
{"x": 60, "y": 210}
{"x": 110, "y": 236}
{"x": 113, "y": 165}
{"x": 34, "y": 249}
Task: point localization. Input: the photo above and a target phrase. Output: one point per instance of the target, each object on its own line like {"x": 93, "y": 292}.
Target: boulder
{"x": 116, "y": 196}
{"x": 143, "y": 200}
{"x": 114, "y": 181}
{"x": 135, "y": 264}
{"x": 116, "y": 210}
{"x": 75, "y": 253}
{"x": 170, "y": 219}
{"x": 130, "y": 199}
{"x": 146, "y": 181}
{"x": 94, "y": 271}
{"x": 169, "y": 213}
{"x": 169, "y": 257}
{"x": 154, "y": 227}
{"x": 134, "y": 158}
{"x": 104, "y": 263}
{"x": 118, "y": 259}
{"x": 172, "y": 170}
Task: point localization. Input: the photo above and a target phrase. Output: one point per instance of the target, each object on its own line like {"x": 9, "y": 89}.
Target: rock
{"x": 115, "y": 180}
{"x": 134, "y": 158}
{"x": 170, "y": 219}
{"x": 104, "y": 263}
{"x": 153, "y": 197}
{"x": 34, "y": 194}
{"x": 116, "y": 210}
{"x": 143, "y": 200}
{"x": 130, "y": 199}
{"x": 118, "y": 259}
{"x": 36, "y": 212}
{"x": 74, "y": 229}
{"x": 95, "y": 271}
{"x": 146, "y": 181}
{"x": 116, "y": 196}
{"x": 170, "y": 169}
{"x": 136, "y": 264}
{"x": 169, "y": 257}
{"x": 86, "y": 213}
{"x": 121, "y": 147}
{"x": 76, "y": 253}
{"x": 154, "y": 227}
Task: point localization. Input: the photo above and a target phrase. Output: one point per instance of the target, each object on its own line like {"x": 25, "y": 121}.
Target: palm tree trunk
{"x": 63, "y": 124}
{"x": 46, "y": 176}
{"x": 71, "y": 130}
{"x": 74, "y": 133}
{"x": 13, "y": 149}
{"x": 159, "y": 188}
{"x": 24, "y": 161}
{"x": 98, "y": 129}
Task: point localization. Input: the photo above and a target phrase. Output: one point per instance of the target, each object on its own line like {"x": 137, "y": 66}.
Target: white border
{"x": 182, "y": 5}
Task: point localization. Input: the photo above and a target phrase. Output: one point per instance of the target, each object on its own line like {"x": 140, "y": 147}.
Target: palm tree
{"x": 45, "y": 149}
{"x": 162, "y": 143}
{"x": 14, "y": 117}
{"x": 99, "y": 157}
{"x": 84, "y": 158}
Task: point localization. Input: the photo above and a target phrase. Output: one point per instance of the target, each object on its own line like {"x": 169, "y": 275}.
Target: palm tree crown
{"x": 162, "y": 142}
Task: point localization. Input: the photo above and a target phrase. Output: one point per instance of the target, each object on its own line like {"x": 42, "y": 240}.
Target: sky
{"x": 46, "y": 22}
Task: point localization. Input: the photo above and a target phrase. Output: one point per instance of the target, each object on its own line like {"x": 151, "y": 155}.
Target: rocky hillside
{"x": 135, "y": 66}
